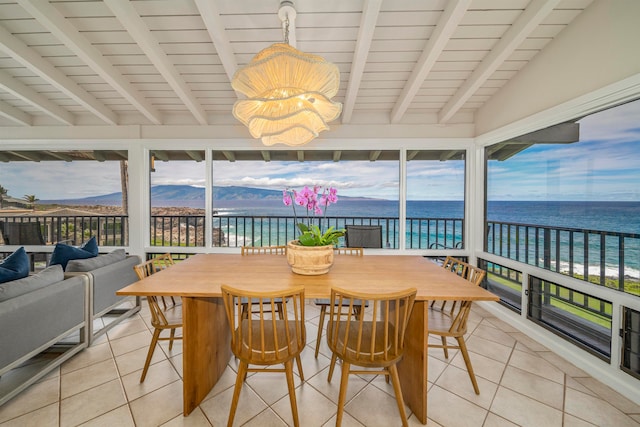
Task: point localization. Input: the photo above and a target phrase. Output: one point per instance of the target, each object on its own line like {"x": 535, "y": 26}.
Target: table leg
{"x": 206, "y": 347}
{"x": 412, "y": 369}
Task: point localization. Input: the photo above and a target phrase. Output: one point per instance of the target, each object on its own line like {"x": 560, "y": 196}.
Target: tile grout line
{"x": 506, "y": 365}
{"x": 124, "y": 390}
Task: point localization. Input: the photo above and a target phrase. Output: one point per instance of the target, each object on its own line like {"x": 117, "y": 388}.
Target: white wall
{"x": 601, "y": 48}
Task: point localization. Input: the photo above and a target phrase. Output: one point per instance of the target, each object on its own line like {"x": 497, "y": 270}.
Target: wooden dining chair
{"x": 375, "y": 339}
{"x": 363, "y": 236}
{"x": 452, "y": 323}
{"x": 273, "y": 250}
{"x": 263, "y": 250}
{"x": 463, "y": 269}
{"x": 167, "y": 318}
{"x": 162, "y": 262}
{"x": 323, "y": 303}
{"x": 454, "y": 265}
{"x": 348, "y": 251}
{"x": 264, "y": 339}
{"x": 267, "y": 250}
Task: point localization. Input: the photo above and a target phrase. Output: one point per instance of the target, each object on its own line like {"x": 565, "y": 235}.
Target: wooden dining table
{"x": 206, "y": 334}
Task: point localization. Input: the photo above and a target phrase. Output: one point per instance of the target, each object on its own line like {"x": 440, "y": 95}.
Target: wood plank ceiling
{"x": 120, "y": 62}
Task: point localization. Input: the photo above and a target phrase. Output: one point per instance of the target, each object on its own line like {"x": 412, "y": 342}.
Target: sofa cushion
{"x": 44, "y": 278}
{"x": 62, "y": 253}
{"x": 90, "y": 264}
{"x": 15, "y": 266}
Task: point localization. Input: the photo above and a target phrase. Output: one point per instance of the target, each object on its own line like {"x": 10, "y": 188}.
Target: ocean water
{"x": 618, "y": 217}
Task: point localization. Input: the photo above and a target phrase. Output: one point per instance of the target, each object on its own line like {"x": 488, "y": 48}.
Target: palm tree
{"x": 3, "y": 192}
{"x": 31, "y": 200}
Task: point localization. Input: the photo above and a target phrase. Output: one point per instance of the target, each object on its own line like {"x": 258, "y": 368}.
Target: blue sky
{"x": 604, "y": 165}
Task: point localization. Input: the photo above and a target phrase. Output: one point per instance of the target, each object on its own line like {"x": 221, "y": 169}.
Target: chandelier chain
{"x": 285, "y": 29}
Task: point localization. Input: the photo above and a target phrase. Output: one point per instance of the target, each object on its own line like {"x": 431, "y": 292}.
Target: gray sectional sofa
{"x": 36, "y": 313}
{"x": 107, "y": 274}
{"x": 56, "y": 311}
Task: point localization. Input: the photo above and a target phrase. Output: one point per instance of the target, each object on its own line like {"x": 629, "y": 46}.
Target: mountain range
{"x": 185, "y": 192}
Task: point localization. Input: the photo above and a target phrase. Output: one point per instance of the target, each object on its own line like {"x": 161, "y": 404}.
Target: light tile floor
{"x": 521, "y": 384}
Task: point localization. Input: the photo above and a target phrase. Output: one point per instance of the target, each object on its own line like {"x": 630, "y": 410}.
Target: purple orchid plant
{"x": 316, "y": 202}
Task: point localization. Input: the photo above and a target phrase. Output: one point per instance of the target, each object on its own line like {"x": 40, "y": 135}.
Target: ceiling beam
{"x": 512, "y": 150}
{"x": 34, "y": 157}
{"x": 446, "y": 155}
{"x": 229, "y": 155}
{"x": 524, "y": 25}
{"x": 160, "y": 155}
{"x": 495, "y": 148}
{"x": 135, "y": 25}
{"x": 15, "y": 115}
{"x": 211, "y": 16}
{"x": 122, "y": 153}
{"x": 27, "y": 57}
{"x": 337, "y": 155}
{"x": 374, "y": 155}
{"x": 363, "y": 44}
{"x": 99, "y": 156}
{"x": 447, "y": 24}
{"x": 48, "y": 16}
{"x": 59, "y": 156}
{"x": 266, "y": 155}
{"x": 195, "y": 155}
{"x": 30, "y": 96}
{"x": 562, "y": 133}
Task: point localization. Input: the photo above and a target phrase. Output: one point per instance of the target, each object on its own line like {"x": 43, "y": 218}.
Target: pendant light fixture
{"x": 289, "y": 92}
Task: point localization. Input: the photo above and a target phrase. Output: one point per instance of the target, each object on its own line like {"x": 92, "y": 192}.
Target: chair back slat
{"x": 349, "y": 251}
{"x": 146, "y": 269}
{"x": 263, "y": 337}
{"x": 459, "y": 323}
{"x": 465, "y": 270}
{"x": 375, "y": 337}
{"x": 256, "y": 250}
{"x": 475, "y": 275}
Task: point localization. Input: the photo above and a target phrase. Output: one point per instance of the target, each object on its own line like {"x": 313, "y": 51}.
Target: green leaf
{"x": 307, "y": 240}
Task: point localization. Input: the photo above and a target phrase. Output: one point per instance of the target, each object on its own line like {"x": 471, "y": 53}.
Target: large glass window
{"x": 70, "y": 196}
{"x": 567, "y": 198}
{"x": 248, "y": 189}
{"x": 435, "y": 199}
{"x": 177, "y": 198}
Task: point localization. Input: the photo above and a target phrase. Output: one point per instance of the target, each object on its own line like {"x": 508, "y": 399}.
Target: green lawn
{"x": 563, "y": 305}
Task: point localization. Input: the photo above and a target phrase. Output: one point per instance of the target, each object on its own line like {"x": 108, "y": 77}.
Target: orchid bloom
{"x": 300, "y": 198}
{"x": 333, "y": 195}
{"x": 314, "y": 202}
{"x": 286, "y": 198}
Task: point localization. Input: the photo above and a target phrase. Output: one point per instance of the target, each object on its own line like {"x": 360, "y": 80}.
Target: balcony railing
{"x": 603, "y": 257}
{"x": 109, "y": 230}
{"x": 278, "y": 230}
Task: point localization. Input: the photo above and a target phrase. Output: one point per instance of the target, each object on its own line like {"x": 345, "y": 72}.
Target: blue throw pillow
{"x": 91, "y": 246}
{"x": 15, "y": 266}
{"x": 62, "y": 253}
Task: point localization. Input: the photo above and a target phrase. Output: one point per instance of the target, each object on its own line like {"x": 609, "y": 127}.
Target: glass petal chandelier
{"x": 289, "y": 92}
